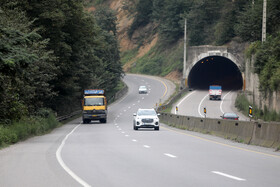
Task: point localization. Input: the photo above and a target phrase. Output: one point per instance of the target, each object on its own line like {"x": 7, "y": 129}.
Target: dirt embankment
{"x": 143, "y": 38}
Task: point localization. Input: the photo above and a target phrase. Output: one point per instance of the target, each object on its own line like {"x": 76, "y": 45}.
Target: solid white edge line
{"x": 229, "y": 176}
{"x": 64, "y": 166}
{"x": 222, "y": 102}
{"x": 170, "y": 155}
{"x": 200, "y": 105}
{"x": 183, "y": 100}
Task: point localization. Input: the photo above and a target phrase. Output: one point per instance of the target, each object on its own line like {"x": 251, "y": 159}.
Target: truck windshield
{"x": 94, "y": 101}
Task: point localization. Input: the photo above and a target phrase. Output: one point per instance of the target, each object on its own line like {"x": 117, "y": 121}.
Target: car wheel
{"x": 156, "y": 128}
{"x": 135, "y": 128}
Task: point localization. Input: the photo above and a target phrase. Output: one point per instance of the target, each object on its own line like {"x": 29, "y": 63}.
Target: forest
{"x": 213, "y": 22}
{"x": 50, "y": 50}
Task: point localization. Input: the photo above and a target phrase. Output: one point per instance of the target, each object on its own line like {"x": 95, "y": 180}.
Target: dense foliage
{"x": 49, "y": 52}
{"x": 215, "y": 22}
{"x": 242, "y": 104}
{"x": 209, "y": 21}
{"x": 268, "y": 62}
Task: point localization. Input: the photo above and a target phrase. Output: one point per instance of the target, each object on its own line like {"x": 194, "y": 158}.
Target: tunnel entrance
{"x": 215, "y": 70}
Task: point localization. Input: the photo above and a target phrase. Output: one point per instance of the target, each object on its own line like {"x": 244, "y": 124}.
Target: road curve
{"x": 113, "y": 154}
{"x": 194, "y": 102}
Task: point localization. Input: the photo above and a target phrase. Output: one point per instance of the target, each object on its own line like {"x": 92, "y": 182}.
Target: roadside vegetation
{"x": 27, "y": 127}
{"x": 160, "y": 60}
{"x": 50, "y": 51}
{"x": 243, "y": 104}
{"x": 211, "y": 22}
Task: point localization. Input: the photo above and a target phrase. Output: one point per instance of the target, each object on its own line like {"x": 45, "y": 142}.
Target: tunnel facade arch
{"x": 213, "y": 67}
{"x": 215, "y": 70}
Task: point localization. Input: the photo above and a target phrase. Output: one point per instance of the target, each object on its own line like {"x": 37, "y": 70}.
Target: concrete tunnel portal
{"x": 215, "y": 70}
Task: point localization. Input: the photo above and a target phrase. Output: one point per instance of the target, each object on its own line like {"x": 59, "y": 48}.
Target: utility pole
{"x": 185, "y": 55}
{"x": 264, "y": 22}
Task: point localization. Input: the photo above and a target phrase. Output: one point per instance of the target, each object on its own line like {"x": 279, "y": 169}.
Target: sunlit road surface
{"x": 113, "y": 154}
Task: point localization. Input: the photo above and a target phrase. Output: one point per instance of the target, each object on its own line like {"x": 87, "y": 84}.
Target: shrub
{"x": 27, "y": 127}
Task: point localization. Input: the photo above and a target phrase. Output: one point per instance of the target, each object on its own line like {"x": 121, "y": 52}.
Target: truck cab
{"x": 94, "y": 106}
{"x": 215, "y": 92}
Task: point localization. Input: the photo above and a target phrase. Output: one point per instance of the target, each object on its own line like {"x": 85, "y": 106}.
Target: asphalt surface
{"x": 194, "y": 102}
{"x": 113, "y": 154}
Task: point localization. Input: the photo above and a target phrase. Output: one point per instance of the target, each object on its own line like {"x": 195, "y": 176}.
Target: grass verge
{"x": 243, "y": 104}
{"x": 25, "y": 128}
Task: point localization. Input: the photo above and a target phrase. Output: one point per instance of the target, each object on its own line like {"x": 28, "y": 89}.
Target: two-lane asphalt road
{"x": 115, "y": 155}
{"x": 194, "y": 102}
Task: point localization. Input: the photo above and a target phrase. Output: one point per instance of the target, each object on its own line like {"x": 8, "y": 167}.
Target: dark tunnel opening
{"x": 215, "y": 70}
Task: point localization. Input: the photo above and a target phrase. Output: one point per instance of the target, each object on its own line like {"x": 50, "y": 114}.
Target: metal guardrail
{"x": 173, "y": 100}
{"x": 119, "y": 94}
{"x": 62, "y": 118}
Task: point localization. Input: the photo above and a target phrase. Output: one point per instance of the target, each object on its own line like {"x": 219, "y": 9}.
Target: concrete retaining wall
{"x": 262, "y": 134}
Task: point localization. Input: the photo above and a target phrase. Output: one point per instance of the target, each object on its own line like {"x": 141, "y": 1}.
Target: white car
{"x": 143, "y": 90}
{"x": 146, "y": 118}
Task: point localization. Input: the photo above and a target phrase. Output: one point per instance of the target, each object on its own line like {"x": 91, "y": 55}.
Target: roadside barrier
{"x": 65, "y": 117}
{"x": 248, "y": 132}
{"x": 266, "y": 134}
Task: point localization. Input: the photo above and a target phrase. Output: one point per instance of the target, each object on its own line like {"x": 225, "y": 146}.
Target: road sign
{"x": 250, "y": 111}
{"x": 204, "y": 111}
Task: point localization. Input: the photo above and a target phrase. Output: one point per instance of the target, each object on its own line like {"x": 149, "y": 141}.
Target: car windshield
{"x": 98, "y": 101}
{"x": 146, "y": 113}
{"x": 230, "y": 115}
{"x": 142, "y": 87}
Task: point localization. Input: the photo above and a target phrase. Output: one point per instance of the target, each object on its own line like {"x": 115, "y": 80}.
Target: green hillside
{"x": 211, "y": 22}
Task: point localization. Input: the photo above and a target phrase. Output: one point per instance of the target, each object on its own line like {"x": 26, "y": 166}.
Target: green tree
{"x": 249, "y": 26}
{"x": 268, "y": 63}
{"x": 26, "y": 67}
{"x": 109, "y": 53}
{"x": 143, "y": 15}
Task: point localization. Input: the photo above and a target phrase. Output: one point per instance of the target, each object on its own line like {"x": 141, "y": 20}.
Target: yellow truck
{"x": 94, "y": 106}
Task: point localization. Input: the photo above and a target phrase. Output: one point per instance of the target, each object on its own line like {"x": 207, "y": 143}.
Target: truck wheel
{"x": 103, "y": 120}
{"x": 84, "y": 121}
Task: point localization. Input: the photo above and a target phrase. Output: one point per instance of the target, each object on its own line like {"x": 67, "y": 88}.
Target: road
{"x": 114, "y": 155}
{"x": 194, "y": 102}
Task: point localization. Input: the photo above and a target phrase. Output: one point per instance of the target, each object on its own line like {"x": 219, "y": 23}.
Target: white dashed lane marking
{"x": 170, "y": 155}
{"x": 134, "y": 140}
{"x": 146, "y": 146}
{"x": 228, "y": 176}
